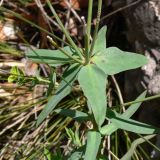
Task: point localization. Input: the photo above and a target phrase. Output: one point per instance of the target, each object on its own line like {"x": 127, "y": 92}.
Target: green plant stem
{"x": 88, "y": 33}
{"x": 128, "y": 141}
{"x": 64, "y": 30}
{"x": 116, "y": 144}
{"x": 26, "y": 77}
{"x": 118, "y": 92}
{"x": 144, "y": 153}
{"x": 40, "y": 79}
{"x": 97, "y": 26}
{"x": 64, "y": 52}
{"x": 143, "y": 100}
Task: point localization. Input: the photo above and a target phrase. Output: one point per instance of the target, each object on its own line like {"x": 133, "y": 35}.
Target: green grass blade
{"x": 93, "y": 82}
{"x": 63, "y": 90}
{"x": 135, "y": 143}
{"x": 5, "y": 48}
{"x": 93, "y": 143}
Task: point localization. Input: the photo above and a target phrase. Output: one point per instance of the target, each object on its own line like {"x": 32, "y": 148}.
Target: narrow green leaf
{"x": 100, "y": 43}
{"x": 93, "y": 83}
{"x": 48, "y": 154}
{"x": 51, "y": 57}
{"x": 70, "y": 133}
{"x": 113, "y": 60}
{"x": 76, "y": 115}
{"x": 131, "y": 125}
{"x": 52, "y": 78}
{"x": 8, "y": 49}
{"x": 134, "y": 107}
{"x": 135, "y": 143}
{"x": 63, "y": 90}
{"x": 110, "y": 128}
{"x": 93, "y": 143}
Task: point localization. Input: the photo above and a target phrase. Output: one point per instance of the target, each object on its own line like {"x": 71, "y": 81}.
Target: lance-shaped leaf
{"x": 63, "y": 90}
{"x": 76, "y": 115}
{"x": 134, "y": 107}
{"x": 93, "y": 83}
{"x": 131, "y": 125}
{"x": 135, "y": 143}
{"x": 100, "y": 43}
{"x": 51, "y": 57}
{"x": 93, "y": 143}
{"x": 113, "y": 60}
{"x": 112, "y": 127}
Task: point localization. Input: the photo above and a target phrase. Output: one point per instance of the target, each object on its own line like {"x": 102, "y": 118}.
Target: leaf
{"x": 131, "y": 125}
{"x": 76, "y": 115}
{"x": 52, "y": 78}
{"x": 51, "y": 57}
{"x": 135, "y": 143}
{"x": 93, "y": 143}
{"x": 14, "y": 74}
{"x": 110, "y": 128}
{"x": 134, "y": 107}
{"x": 63, "y": 90}
{"x": 100, "y": 43}
{"x": 113, "y": 60}
{"x": 70, "y": 133}
{"x": 77, "y": 154}
{"x": 17, "y": 76}
{"x": 93, "y": 83}
{"x": 74, "y": 137}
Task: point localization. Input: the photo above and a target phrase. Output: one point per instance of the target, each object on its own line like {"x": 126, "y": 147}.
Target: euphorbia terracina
{"x": 91, "y": 68}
